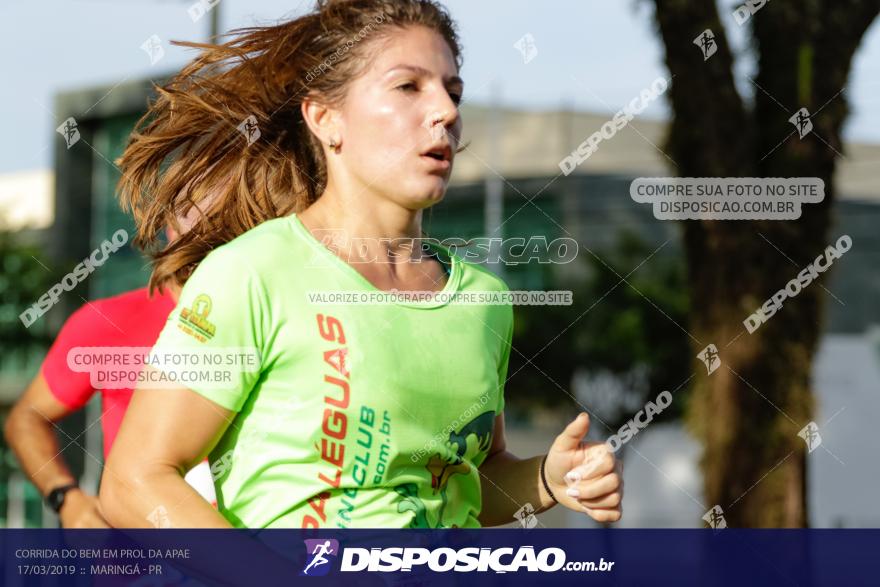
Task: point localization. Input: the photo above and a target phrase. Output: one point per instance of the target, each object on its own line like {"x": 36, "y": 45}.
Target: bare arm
{"x": 508, "y": 483}
{"x": 30, "y": 432}
{"x": 165, "y": 432}
{"x": 594, "y": 485}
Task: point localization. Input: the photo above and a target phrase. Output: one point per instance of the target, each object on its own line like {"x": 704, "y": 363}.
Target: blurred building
{"x": 510, "y": 174}
{"x": 26, "y": 200}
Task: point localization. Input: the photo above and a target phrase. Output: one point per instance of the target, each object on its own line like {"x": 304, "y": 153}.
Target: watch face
{"x": 55, "y": 499}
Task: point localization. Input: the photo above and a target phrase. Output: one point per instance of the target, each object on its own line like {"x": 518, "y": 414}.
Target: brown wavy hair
{"x": 188, "y": 150}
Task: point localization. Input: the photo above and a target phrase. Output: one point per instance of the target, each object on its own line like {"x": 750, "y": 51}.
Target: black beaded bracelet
{"x": 544, "y": 480}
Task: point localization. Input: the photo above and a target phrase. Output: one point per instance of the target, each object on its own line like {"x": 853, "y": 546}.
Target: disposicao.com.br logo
{"x": 442, "y": 559}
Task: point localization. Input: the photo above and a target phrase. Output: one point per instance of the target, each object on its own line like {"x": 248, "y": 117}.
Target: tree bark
{"x": 749, "y": 411}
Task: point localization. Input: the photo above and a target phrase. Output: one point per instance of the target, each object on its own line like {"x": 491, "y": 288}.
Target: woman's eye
{"x": 456, "y": 98}
{"x": 407, "y": 87}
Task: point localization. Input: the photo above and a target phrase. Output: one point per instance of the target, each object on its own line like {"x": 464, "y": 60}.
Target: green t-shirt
{"x": 355, "y": 415}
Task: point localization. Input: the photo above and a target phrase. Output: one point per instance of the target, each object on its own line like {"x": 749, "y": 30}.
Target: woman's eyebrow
{"x": 424, "y": 72}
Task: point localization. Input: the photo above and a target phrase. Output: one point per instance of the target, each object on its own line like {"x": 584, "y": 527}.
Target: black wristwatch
{"x": 55, "y": 499}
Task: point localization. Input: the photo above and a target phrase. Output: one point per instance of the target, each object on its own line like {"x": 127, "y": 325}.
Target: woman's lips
{"x": 437, "y": 164}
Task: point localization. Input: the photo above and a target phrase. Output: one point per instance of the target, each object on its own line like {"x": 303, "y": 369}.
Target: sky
{"x": 593, "y": 55}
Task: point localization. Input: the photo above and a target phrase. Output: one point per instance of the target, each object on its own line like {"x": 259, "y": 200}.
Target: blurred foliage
{"x": 613, "y": 326}
{"x": 24, "y": 277}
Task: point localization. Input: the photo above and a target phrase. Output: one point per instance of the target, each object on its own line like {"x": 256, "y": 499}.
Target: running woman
{"x": 131, "y": 319}
{"x": 339, "y": 127}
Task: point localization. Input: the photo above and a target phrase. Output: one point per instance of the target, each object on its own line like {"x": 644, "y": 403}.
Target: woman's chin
{"x": 431, "y": 199}
{"x": 425, "y": 196}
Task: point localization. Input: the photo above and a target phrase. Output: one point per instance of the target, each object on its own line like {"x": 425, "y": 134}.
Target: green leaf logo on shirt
{"x": 443, "y": 466}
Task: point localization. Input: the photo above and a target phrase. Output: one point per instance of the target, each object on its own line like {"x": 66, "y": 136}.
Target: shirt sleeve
{"x": 72, "y": 388}
{"x": 504, "y": 361}
{"x": 221, "y": 313}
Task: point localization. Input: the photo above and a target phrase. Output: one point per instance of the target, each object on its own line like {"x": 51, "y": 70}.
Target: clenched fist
{"x": 585, "y": 476}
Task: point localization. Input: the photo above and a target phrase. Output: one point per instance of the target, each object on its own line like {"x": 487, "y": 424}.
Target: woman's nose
{"x": 441, "y": 121}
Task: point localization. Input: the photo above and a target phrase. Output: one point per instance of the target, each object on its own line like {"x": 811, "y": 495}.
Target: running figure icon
{"x": 318, "y": 553}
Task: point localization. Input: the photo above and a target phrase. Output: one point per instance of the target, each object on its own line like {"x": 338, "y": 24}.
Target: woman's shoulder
{"x": 263, "y": 242}
{"x": 259, "y": 252}
{"x": 480, "y": 276}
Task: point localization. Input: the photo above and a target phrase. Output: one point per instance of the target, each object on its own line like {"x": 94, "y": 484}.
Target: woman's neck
{"x": 384, "y": 232}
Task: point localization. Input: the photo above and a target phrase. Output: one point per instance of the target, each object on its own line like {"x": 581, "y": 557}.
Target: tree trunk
{"x": 749, "y": 411}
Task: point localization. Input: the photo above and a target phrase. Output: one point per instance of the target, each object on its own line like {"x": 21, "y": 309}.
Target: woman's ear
{"x": 322, "y": 120}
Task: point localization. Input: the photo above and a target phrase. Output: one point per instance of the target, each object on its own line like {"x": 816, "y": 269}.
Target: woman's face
{"x": 403, "y": 107}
